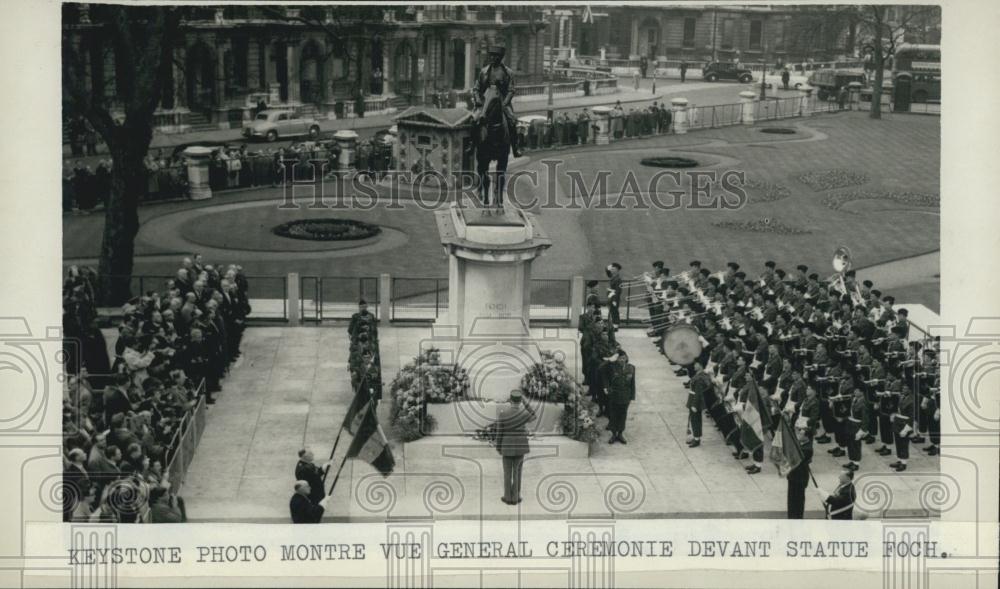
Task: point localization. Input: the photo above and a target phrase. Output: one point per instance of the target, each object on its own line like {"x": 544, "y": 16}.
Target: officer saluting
{"x": 498, "y": 74}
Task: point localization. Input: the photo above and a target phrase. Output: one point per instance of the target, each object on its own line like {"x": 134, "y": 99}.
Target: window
{"x": 423, "y": 140}
{"x": 779, "y": 35}
{"x": 756, "y": 34}
{"x": 689, "y": 27}
{"x": 728, "y": 28}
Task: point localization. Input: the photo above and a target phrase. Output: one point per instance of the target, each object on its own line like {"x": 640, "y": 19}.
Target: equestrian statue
{"x": 494, "y": 125}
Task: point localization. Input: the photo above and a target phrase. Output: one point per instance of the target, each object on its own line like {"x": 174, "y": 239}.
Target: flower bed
{"x": 778, "y": 130}
{"x": 423, "y": 381}
{"x": 836, "y": 201}
{"x": 761, "y": 226}
{"x": 830, "y": 179}
{"x": 327, "y": 229}
{"x": 760, "y": 191}
{"x": 669, "y": 162}
{"x": 549, "y": 381}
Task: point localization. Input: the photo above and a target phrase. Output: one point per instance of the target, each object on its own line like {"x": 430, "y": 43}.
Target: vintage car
{"x": 271, "y": 124}
{"x": 717, "y": 70}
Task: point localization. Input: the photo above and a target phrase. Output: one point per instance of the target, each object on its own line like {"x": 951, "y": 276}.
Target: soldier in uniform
{"x": 498, "y": 74}
{"x": 614, "y": 298}
{"x": 902, "y": 423}
{"x": 621, "y": 392}
{"x": 798, "y": 478}
{"x": 701, "y": 383}
{"x": 887, "y": 404}
{"x": 840, "y": 503}
{"x": 362, "y": 317}
{"x": 857, "y": 418}
{"x": 512, "y": 444}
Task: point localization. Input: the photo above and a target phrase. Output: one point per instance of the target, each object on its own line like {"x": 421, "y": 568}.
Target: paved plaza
{"x": 840, "y": 179}
{"x": 291, "y": 388}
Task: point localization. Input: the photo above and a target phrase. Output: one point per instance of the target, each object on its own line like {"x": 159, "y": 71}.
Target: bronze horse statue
{"x": 492, "y": 141}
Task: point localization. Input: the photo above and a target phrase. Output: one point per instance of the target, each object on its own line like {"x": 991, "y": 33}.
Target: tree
{"x": 141, "y": 41}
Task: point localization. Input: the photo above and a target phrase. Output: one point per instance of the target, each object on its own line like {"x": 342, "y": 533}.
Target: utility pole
{"x": 715, "y": 27}
{"x": 552, "y": 67}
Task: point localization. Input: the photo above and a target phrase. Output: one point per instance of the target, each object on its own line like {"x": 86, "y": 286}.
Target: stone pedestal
{"x": 197, "y": 168}
{"x": 485, "y": 329}
{"x": 274, "y": 94}
{"x": 347, "y": 140}
{"x": 746, "y": 107}
{"x": 679, "y": 108}
{"x": 602, "y": 116}
{"x": 854, "y": 95}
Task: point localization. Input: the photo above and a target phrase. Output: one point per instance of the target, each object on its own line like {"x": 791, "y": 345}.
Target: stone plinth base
{"x": 465, "y": 417}
{"x": 437, "y": 448}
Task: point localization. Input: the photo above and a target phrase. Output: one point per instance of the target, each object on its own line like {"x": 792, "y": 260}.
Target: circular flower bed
{"x": 326, "y": 229}
{"x": 549, "y": 381}
{"x": 423, "y": 381}
{"x": 778, "y": 130}
{"x": 761, "y": 226}
{"x": 669, "y": 162}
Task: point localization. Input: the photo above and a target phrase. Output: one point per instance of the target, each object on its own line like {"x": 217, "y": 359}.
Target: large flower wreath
{"x": 549, "y": 381}
{"x": 425, "y": 380}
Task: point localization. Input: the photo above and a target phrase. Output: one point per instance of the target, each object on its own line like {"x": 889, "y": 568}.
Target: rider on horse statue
{"x": 497, "y": 73}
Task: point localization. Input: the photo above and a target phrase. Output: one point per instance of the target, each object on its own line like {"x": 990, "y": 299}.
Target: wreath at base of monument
{"x": 550, "y": 381}
{"x": 422, "y": 381}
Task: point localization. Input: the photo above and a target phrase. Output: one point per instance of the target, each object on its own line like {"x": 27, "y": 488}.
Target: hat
{"x": 705, "y": 272}
{"x": 814, "y": 276}
{"x": 496, "y": 49}
{"x": 770, "y": 264}
{"x": 515, "y": 394}
{"x": 903, "y": 312}
{"x": 868, "y": 283}
{"x": 889, "y": 299}
{"x": 850, "y": 273}
{"x": 876, "y": 293}
{"x": 780, "y": 273}
{"x": 658, "y": 264}
{"x": 734, "y": 266}
{"x": 740, "y": 275}
{"x": 802, "y": 268}
{"x": 695, "y": 263}
{"x": 592, "y": 284}
{"x": 362, "y": 302}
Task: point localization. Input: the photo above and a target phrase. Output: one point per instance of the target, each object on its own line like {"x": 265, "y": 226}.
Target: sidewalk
{"x": 524, "y": 105}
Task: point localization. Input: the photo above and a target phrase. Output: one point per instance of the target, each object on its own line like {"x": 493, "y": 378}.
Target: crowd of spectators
{"x": 568, "y": 130}
{"x": 122, "y": 419}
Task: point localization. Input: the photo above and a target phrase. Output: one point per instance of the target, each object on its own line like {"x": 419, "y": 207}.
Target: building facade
{"x": 322, "y": 58}
{"x": 752, "y": 34}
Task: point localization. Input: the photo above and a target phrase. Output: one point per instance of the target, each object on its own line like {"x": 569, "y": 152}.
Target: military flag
{"x": 786, "y": 453}
{"x": 756, "y": 419}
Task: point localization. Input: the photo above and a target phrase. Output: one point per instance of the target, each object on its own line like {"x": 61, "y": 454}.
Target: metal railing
{"x": 185, "y": 442}
{"x": 336, "y": 297}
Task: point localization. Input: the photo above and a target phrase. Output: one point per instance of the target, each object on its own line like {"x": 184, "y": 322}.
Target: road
{"x": 697, "y": 91}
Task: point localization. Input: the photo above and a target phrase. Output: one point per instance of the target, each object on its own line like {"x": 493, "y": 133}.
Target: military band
{"x": 830, "y": 355}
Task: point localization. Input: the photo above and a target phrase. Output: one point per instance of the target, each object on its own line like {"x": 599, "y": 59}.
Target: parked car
{"x": 718, "y": 70}
{"x": 271, "y": 124}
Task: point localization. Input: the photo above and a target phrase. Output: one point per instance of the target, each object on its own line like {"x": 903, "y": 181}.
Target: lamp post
{"x": 552, "y": 73}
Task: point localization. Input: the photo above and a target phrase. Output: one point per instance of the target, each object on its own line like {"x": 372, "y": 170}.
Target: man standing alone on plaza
{"x": 684, "y": 71}
{"x": 621, "y": 392}
{"x": 512, "y": 444}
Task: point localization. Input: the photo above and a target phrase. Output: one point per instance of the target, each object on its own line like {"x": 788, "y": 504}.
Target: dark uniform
{"x": 310, "y": 473}
{"x": 798, "y": 480}
{"x": 840, "y": 504}
{"x": 621, "y": 392}
{"x": 701, "y": 383}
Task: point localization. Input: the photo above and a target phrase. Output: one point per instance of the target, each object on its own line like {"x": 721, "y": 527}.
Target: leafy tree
{"x": 141, "y": 40}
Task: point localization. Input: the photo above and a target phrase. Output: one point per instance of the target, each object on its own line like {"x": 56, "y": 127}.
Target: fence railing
{"x": 187, "y": 437}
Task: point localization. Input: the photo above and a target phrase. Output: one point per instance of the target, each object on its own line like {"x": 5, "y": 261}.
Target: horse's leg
{"x": 483, "y": 170}
{"x": 502, "y": 176}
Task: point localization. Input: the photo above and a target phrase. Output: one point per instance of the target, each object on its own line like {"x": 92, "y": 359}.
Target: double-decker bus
{"x": 916, "y": 73}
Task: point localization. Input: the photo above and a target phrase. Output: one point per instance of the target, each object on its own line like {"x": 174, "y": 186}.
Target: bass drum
{"x": 682, "y": 344}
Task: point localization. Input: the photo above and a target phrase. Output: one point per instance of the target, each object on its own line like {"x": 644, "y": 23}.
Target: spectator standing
{"x": 684, "y": 71}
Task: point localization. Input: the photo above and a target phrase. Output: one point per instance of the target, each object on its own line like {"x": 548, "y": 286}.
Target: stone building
{"x": 753, "y": 34}
{"x": 321, "y": 58}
